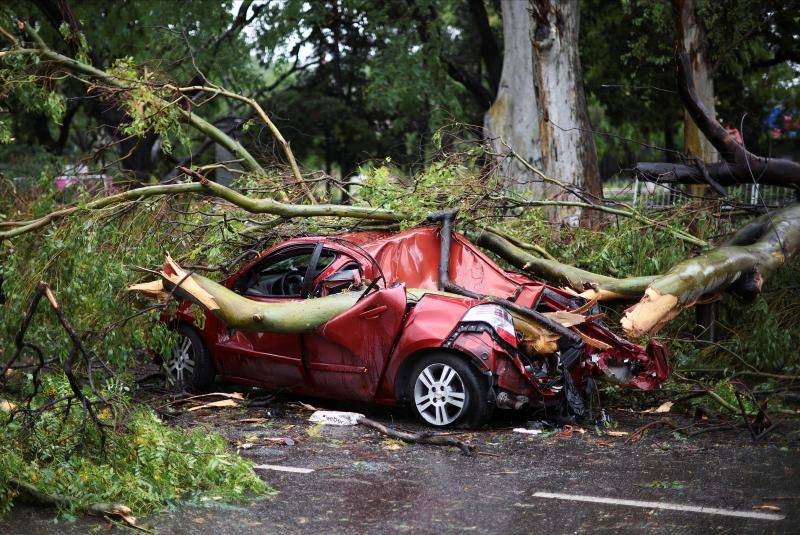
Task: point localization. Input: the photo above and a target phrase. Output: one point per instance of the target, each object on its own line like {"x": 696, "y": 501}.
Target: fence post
{"x": 705, "y": 316}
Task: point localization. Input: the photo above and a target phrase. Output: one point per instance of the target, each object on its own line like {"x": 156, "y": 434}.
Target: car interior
{"x": 283, "y": 275}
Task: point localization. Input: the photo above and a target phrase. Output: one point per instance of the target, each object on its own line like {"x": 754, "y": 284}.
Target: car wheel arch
{"x": 403, "y": 375}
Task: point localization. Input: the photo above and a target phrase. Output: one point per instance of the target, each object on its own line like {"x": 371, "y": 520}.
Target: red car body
{"x": 367, "y": 352}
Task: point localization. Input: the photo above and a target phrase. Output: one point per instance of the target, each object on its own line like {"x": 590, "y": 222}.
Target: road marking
{"x": 281, "y": 468}
{"x": 660, "y": 505}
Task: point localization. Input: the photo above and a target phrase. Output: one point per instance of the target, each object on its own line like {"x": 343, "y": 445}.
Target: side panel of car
{"x": 274, "y": 359}
{"x": 271, "y": 360}
{"x": 347, "y": 356}
{"x": 428, "y": 325}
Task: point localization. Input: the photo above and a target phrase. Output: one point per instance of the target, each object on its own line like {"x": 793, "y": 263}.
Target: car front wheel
{"x": 446, "y": 391}
{"x": 189, "y": 363}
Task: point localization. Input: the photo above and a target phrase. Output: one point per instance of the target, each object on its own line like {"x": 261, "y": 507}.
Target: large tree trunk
{"x": 513, "y": 117}
{"x": 691, "y": 39}
{"x": 567, "y": 144}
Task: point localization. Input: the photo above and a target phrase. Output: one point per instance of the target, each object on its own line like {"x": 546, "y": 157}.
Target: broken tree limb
{"x": 424, "y": 437}
{"x": 238, "y": 312}
{"x": 740, "y": 166}
{"x": 211, "y": 189}
{"x": 590, "y": 285}
{"x": 723, "y": 173}
{"x": 748, "y": 266}
{"x": 287, "y": 151}
{"x": 538, "y": 249}
{"x": 54, "y": 500}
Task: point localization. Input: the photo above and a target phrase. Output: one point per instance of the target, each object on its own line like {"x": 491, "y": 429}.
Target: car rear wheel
{"x": 446, "y": 391}
{"x": 189, "y": 363}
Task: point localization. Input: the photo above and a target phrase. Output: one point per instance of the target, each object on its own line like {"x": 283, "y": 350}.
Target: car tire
{"x": 439, "y": 382}
{"x": 189, "y": 362}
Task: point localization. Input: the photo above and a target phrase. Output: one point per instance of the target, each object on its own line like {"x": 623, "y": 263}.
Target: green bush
{"x": 145, "y": 464}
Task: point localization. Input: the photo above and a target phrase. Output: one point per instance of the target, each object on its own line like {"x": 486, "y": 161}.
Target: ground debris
{"x": 215, "y": 405}
{"x": 663, "y": 408}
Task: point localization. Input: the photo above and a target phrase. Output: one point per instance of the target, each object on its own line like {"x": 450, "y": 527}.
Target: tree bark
{"x": 691, "y": 39}
{"x": 513, "y": 117}
{"x": 568, "y": 149}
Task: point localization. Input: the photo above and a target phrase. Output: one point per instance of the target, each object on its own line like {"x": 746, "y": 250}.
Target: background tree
{"x": 513, "y": 118}
{"x": 568, "y": 149}
{"x": 691, "y": 38}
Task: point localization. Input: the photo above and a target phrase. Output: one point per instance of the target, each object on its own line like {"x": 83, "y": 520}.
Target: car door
{"x": 268, "y": 359}
{"x": 347, "y": 356}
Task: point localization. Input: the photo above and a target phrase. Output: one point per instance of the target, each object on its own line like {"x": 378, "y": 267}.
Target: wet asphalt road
{"x": 364, "y": 483}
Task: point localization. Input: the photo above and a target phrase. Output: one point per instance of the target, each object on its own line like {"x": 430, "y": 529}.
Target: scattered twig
{"x": 424, "y": 437}
{"x": 117, "y": 510}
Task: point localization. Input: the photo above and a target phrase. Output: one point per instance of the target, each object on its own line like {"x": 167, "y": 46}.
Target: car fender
{"x": 429, "y": 325}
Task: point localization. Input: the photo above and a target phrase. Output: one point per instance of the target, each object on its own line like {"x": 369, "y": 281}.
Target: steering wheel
{"x": 291, "y": 283}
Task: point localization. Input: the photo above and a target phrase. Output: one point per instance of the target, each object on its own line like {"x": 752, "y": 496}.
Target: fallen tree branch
{"x": 55, "y": 500}
{"x": 740, "y": 269}
{"x": 538, "y": 249}
{"x": 264, "y": 117}
{"x": 590, "y": 285}
{"x": 211, "y": 189}
{"x": 238, "y": 312}
{"x": 424, "y": 437}
{"x": 723, "y": 173}
{"x": 740, "y": 166}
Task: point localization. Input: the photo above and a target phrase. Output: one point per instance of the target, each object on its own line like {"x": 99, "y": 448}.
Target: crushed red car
{"x": 452, "y": 358}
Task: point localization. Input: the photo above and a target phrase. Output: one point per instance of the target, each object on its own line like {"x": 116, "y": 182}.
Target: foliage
{"x": 145, "y": 464}
{"x": 147, "y": 106}
{"x": 442, "y": 185}
{"x": 87, "y": 263}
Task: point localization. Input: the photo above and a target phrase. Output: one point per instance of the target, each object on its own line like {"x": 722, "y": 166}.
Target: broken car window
{"x": 282, "y": 275}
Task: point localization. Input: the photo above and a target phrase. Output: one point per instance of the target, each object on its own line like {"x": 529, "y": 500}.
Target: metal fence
{"x": 655, "y": 196}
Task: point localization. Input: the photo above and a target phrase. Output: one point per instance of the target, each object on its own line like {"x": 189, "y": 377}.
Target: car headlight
{"x": 495, "y": 316}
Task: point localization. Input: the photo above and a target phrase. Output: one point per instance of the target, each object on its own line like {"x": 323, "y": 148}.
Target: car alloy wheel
{"x": 182, "y": 363}
{"x": 439, "y": 394}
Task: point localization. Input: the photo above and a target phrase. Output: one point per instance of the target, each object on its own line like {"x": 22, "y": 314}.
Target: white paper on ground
{"x": 527, "y": 431}
{"x": 335, "y": 418}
